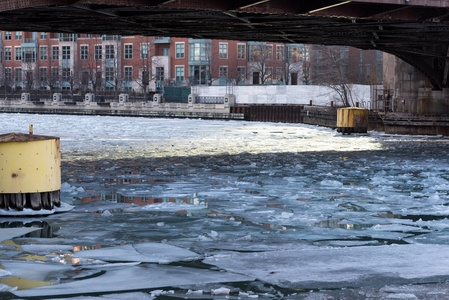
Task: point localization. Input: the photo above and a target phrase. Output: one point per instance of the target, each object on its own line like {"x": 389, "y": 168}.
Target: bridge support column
{"x": 411, "y": 91}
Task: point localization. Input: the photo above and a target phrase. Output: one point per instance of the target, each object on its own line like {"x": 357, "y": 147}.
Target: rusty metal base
{"x": 35, "y": 201}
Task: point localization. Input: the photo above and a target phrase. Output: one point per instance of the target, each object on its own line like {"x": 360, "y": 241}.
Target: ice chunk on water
{"x": 221, "y": 291}
{"x": 146, "y": 252}
{"x": 121, "y": 296}
{"x": 171, "y": 206}
{"x": 129, "y": 278}
{"x": 331, "y": 183}
{"x": 45, "y": 249}
{"x": 36, "y": 270}
{"x": 336, "y": 267}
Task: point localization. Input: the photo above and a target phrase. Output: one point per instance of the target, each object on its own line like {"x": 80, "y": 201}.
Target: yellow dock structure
{"x": 30, "y": 171}
{"x": 352, "y": 120}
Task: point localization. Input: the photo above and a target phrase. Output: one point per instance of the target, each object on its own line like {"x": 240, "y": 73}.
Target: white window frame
{"x": 17, "y": 53}
{"x": 43, "y": 57}
{"x": 84, "y": 55}
{"x": 127, "y": 54}
{"x": 183, "y": 72}
{"x": 182, "y": 50}
{"x": 10, "y": 53}
{"x": 223, "y": 50}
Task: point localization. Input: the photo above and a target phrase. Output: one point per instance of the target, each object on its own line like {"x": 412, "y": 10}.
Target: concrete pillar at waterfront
{"x": 410, "y": 90}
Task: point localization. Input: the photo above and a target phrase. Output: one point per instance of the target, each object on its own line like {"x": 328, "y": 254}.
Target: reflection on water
{"x": 45, "y": 232}
{"x": 115, "y": 197}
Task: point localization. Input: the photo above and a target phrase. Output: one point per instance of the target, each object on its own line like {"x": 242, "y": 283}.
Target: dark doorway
{"x": 256, "y": 78}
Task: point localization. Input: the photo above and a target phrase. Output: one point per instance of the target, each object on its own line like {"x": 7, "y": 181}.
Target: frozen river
{"x": 201, "y": 209}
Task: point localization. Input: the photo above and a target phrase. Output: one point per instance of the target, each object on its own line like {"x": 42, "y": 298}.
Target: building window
{"x": 241, "y": 75}
{"x": 108, "y": 37}
{"x": 66, "y": 74}
{"x": 98, "y": 52}
{"x": 128, "y": 51}
{"x": 179, "y": 50}
{"x": 55, "y": 76}
{"x": 109, "y": 78}
{"x": 241, "y": 51}
{"x": 43, "y": 53}
{"x": 55, "y": 53}
{"x": 43, "y": 78}
{"x": 166, "y": 51}
{"x": 8, "y": 75}
{"x": 269, "y": 52}
{"x": 159, "y": 73}
{"x": 65, "y": 52}
{"x": 179, "y": 74}
{"x": 280, "y": 52}
{"x": 128, "y": 73}
{"x": 306, "y": 54}
{"x": 29, "y": 54}
{"x": 128, "y": 78}
{"x": 280, "y": 75}
{"x": 258, "y": 52}
{"x": 18, "y": 35}
{"x": 7, "y": 35}
{"x": 110, "y": 52}
{"x": 144, "y": 51}
{"x": 223, "y": 71}
{"x": 67, "y": 37}
{"x": 223, "y": 50}
{"x": 199, "y": 52}
{"x": 268, "y": 75}
{"x": 8, "y": 53}
{"x": 18, "y": 52}
{"x": 18, "y": 76}
{"x": 43, "y": 35}
{"x": 199, "y": 74}
{"x": 84, "y": 52}
{"x": 293, "y": 53}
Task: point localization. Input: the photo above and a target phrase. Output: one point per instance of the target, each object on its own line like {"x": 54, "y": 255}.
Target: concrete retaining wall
{"x": 285, "y": 94}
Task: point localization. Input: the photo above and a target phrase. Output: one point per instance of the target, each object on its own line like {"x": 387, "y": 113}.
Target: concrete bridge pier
{"x": 410, "y": 91}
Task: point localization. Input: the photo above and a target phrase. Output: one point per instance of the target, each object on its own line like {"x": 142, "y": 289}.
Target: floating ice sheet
{"x": 170, "y": 206}
{"x": 130, "y": 278}
{"x": 45, "y": 249}
{"x": 337, "y": 267}
{"x": 146, "y": 252}
{"x": 39, "y": 271}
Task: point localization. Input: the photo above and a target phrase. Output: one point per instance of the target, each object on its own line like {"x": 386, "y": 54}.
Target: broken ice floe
{"x": 337, "y": 267}
{"x": 45, "y": 249}
{"x": 146, "y": 252}
{"x": 130, "y": 278}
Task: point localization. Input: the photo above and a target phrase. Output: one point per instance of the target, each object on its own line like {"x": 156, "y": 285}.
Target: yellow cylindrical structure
{"x": 29, "y": 164}
{"x": 352, "y": 120}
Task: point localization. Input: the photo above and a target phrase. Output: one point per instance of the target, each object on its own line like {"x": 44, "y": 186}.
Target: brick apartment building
{"x": 94, "y": 63}
{"x": 84, "y": 62}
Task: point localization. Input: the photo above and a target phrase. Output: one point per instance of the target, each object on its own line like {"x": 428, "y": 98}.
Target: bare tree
{"x": 293, "y": 62}
{"x": 91, "y": 78}
{"x": 260, "y": 54}
{"x": 144, "y": 65}
{"x": 6, "y": 74}
{"x": 334, "y": 72}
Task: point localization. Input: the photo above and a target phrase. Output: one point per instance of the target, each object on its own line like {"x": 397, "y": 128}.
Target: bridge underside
{"x": 415, "y": 31}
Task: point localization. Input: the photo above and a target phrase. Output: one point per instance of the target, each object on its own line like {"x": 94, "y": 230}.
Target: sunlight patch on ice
{"x": 86, "y": 137}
